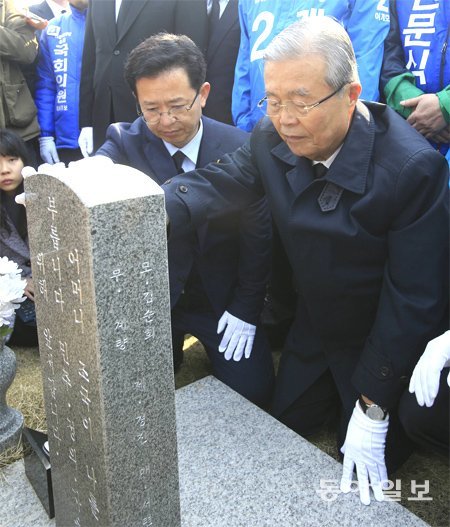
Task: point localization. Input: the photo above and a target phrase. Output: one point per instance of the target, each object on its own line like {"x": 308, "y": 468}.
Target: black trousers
{"x": 428, "y": 427}
{"x": 253, "y": 378}
{"x": 23, "y": 334}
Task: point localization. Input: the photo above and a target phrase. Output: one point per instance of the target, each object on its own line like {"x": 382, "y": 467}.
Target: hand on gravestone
{"x": 20, "y": 199}
{"x": 26, "y": 172}
{"x": 56, "y": 170}
{"x": 364, "y": 448}
{"x": 92, "y": 163}
{"x": 238, "y": 337}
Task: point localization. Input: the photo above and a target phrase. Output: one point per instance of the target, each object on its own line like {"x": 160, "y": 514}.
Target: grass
{"x": 26, "y": 395}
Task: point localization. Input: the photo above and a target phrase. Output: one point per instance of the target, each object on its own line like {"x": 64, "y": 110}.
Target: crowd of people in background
{"x": 89, "y": 77}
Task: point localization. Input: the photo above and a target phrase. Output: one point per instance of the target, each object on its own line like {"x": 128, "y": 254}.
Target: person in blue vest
{"x": 58, "y": 84}
{"x": 415, "y": 77}
{"x": 366, "y": 21}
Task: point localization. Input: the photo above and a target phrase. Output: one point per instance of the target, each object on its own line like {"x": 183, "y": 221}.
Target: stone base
{"x": 38, "y": 469}
{"x": 11, "y": 421}
{"x": 10, "y": 429}
{"x": 239, "y": 467}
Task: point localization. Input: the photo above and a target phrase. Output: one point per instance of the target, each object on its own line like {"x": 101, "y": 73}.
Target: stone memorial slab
{"x": 239, "y": 467}
{"x": 99, "y": 262}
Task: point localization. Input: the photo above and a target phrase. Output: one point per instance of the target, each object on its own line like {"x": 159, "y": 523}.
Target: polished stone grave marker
{"x": 99, "y": 260}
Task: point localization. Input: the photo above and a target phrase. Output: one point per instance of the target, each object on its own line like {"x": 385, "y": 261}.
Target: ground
{"x": 25, "y": 394}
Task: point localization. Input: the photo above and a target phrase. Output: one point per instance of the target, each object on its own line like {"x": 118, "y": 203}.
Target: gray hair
{"x": 322, "y": 35}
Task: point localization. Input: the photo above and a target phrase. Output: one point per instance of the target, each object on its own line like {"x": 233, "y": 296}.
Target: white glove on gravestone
{"x": 238, "y": 337}
{"x": 364, "y": 447}
{"x": 86, "y": 141}
{"x": 56, "y": 170}
{"x": 48, "y": 150}
{"x": 427, "y": 373}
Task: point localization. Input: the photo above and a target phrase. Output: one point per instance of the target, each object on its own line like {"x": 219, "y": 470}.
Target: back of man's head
{"x": 163, "y": 52}
{"x": 324, "y": 36}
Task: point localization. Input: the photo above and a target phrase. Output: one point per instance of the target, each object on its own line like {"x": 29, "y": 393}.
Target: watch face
{"x": 375, "y": 412}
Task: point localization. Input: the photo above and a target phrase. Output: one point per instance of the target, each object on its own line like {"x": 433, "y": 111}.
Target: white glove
{"x": 48, "y": 150}
{"x": 238, "y": 337}
{"x": 26, "y": 172}
{"x": 364, "y": 447}
{"x": 427, "y": 373}
{"x": 86, "y": 141}
{"x": 56, "y": 170}
{"x": 92, "y": 163}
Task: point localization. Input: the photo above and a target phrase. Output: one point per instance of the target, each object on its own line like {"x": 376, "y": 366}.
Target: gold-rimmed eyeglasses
{"x": 273, "y": 108}
{"x": 153, "y": 115}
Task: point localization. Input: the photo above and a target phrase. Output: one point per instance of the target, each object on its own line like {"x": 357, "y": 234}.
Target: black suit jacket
{"x": 221, "y": 55}
{"x": 231, "y": 253}
{"x": 103, "y": 90}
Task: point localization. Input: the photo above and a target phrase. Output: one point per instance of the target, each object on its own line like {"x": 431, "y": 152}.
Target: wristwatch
{"x": 373, "y": 411}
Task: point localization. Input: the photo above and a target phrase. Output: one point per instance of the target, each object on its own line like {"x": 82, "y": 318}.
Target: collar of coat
{"x": 349, "y": 169}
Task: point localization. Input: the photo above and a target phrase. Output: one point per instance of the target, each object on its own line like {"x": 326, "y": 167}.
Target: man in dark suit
{"x": 113, "y": 29}
{"x": 219, "y": 272}
{"x": 221, "y": 55}
{"x": 360, "y": 201}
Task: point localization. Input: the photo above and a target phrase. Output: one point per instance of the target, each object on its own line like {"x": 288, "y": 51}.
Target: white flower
{"x": 12, "y": 287}
{"x": 8, "y": 266}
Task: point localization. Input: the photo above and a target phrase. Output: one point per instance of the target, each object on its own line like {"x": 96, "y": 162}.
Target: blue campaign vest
{"x": 424, "y": 32}
{"x": 366, "y": 21}
{"x": 424, "y": 27}
{"x": 58, "y": 78}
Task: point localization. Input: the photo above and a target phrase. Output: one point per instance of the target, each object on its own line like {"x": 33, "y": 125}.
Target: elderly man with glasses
{"x": 361, "y": 204}
{"x": 218, "y": 273}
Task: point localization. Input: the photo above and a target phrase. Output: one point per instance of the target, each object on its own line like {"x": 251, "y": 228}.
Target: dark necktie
{"x": 178, "y": 159}
{"x": 121, "y": 16}
{"x": 214, "y": 17}
{"x": 319, "y": 170}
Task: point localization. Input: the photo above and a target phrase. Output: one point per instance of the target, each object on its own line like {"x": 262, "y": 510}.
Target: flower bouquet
{"x": 12, "y": 286}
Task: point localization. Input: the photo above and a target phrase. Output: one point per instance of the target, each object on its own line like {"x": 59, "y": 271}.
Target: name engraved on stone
{"x": 53, "y": 226}
{"x": 99, "y": 258}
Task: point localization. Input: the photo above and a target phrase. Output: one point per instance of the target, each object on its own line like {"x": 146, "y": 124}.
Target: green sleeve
{"x": 400, "y": 88}
{"x": 444, "y": 102}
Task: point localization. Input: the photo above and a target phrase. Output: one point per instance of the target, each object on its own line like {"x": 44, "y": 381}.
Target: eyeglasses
{"x": 273, "y": 108}
{"x": 153, "y": 116}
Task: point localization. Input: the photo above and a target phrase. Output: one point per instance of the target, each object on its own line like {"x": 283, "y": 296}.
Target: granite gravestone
{"x": 98, "y": 247}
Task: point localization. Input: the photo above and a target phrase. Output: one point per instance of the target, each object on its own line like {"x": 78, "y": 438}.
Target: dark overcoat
{"x": 368, "y": 244}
